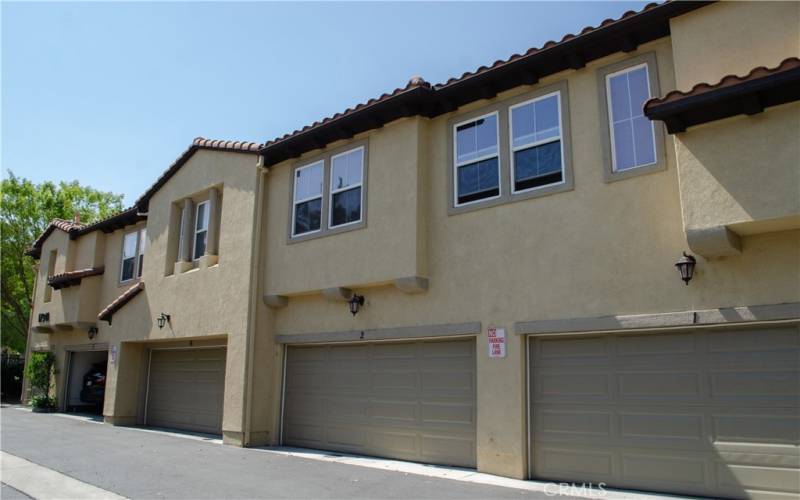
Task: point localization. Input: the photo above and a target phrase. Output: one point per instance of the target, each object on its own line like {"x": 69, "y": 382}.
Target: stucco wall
{"x": 733, "y": 38}
{"x": 384, "y": 250}
{"x": 600, "y": 249}
{"x": 743, "y": 169}
{"x": 210, "y": 301}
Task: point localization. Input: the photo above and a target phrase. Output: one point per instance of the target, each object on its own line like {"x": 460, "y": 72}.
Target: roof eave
{"x": 748, "y": 98}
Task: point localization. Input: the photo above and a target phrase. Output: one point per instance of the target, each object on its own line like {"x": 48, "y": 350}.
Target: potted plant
{"x": 39, "y": 371}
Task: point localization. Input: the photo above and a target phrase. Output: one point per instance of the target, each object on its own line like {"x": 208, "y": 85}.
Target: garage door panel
{"x": 416, "y": 402}
{"x": 757, "y": 384}
{"x": 762, "y": 429}
{"x": 776, "y": 479}
{"x": 394, "y": 380}
{"x": 398, "y": 411}
{"x": 186, "y": 389}
{"x": 721, "y": 420}
{"x": 656, "y": 345}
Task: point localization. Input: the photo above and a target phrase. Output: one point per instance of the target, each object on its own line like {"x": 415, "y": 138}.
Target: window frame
{"x": 141, "y": 247}
{"x": 610, "y": 173}
{"x": 325, "y": 215}
{"x": 332, "y": 192}
{"x": 512, "y": 149}
{"x": 296, "y": 202}
{"x": 503, "y": 108}
{"x": 456, "y": 166}
{"x": 135, "y": 232}
{"x": 196, "y": 231}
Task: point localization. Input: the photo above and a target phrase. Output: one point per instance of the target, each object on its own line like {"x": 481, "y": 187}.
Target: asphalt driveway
{"x": 138, "y": 464}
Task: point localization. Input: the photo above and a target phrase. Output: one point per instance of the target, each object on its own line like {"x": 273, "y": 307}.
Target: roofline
{"x": 419, "y": 98}
{"x": 197, "y": 144}
{"x": 731, "y": 96}
{"x": 119, "y": 220}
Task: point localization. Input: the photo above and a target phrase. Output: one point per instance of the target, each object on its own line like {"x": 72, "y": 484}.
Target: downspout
{"x": 255, "y": 258}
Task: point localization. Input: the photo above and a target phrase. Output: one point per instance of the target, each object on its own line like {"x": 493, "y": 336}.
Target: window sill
{"x": 204, "y": 262}
{"x": 506, "y": 198}
{"x": 327, "y": 232}
{"x": 610, "y": 176}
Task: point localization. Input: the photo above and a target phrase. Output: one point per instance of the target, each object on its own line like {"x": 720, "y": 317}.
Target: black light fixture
{"x": 685, "y": 266}
{"x": 355, "y": 302}
{"x": 162, "y": 320}
{"x": 92, "y": 332}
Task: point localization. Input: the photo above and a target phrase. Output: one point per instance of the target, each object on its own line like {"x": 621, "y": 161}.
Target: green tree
{"x": 25, "y": 211}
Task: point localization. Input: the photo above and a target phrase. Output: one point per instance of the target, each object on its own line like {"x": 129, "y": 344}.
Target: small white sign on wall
{"x": 113, "y": 354}
{"x": 497, "y": 342}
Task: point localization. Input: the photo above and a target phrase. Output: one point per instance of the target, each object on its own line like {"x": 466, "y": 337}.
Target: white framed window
{"x": 346, "y": 194}
{"x": 307, "y": 199}
{"x": 51, "y": 270}
{"x": 476, "y": 165}
{"x": 537, "y": 151}
{"x": 633, "y": 142}
{"x": 200, "y": 230}
{"x": 128, "y": 267}
{"x": 140, "y": 261}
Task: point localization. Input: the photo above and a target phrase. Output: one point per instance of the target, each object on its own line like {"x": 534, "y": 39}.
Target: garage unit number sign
{"x": 497, "y": 342}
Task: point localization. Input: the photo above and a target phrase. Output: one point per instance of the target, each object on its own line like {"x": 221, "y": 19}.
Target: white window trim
{"x": 348, "y": 188}
{"x": 533, "y": 144}
{"x": 196, "y": 231}
{"x": 296, "y": 202}
{"x": 456, "y": 163}
{"x": 135, "y": 258}
{"x": 611, "y": 119}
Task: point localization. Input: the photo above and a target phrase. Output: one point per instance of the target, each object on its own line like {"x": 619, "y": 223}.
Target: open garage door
{"x": 711, "y": 412}
{"x": 405, "y": 400}
{"x": 185, "y": 389}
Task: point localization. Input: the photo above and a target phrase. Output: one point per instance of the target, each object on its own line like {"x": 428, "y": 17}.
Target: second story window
{"x": 632, "y": 137}
{"x": 536, "y": 156}
{"x": 346, "y": 178}
{"x": 307, "y": 211}
{"x": 477, "y": 163}
{"x": 129, "y": 244}
{"x": 200, "y": 230}
{"x": 329, "y": 192}
{"x": 140, "y": 263}
{"x": 51, "y": 270}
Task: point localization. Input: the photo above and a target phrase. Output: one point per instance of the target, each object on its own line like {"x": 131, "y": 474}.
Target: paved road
{"x": 139, "y": 464}
{"x": 9, "y": 493}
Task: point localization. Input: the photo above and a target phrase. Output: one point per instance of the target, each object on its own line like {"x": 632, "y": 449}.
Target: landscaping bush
{"x": 39, "y": 372}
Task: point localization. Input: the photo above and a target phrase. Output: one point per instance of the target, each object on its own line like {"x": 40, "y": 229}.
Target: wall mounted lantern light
{"x": 685, "y": 266}
{"x": 162, "y": 320}
{"x": 92, "y": 332}
{"x": 355, "y": 302}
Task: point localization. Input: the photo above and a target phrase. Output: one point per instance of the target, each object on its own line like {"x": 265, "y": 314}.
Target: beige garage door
{"x": 186, "y": 388}
{"x": 410, "y": 401}
{"x": 712, "y": 413}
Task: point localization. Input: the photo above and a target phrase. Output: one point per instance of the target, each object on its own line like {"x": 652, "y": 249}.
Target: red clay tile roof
{"x": 413, "y": 83}
{"x": 551, "y": 44}
{"x": 74, "y": 229}
{"x": 70, "y": 278}
{"x": 419, "y": 97}
{"x": 65, "y": 225}
{"x": 108, "y": 312}
{"x": 732, "y": 95}
{"x": 726, "y": 81}
{"x": 197, "y": 143}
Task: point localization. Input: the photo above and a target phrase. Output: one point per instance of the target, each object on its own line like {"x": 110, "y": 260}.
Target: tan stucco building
{"x": 337, "y": 288}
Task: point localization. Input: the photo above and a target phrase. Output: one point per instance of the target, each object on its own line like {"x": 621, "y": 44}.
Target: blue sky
{"x": 111, "y": 93}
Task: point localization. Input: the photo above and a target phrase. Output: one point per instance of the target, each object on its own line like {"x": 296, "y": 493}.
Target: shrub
{"x": 43, "y": 402}
{"x": 39, "y": 371}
